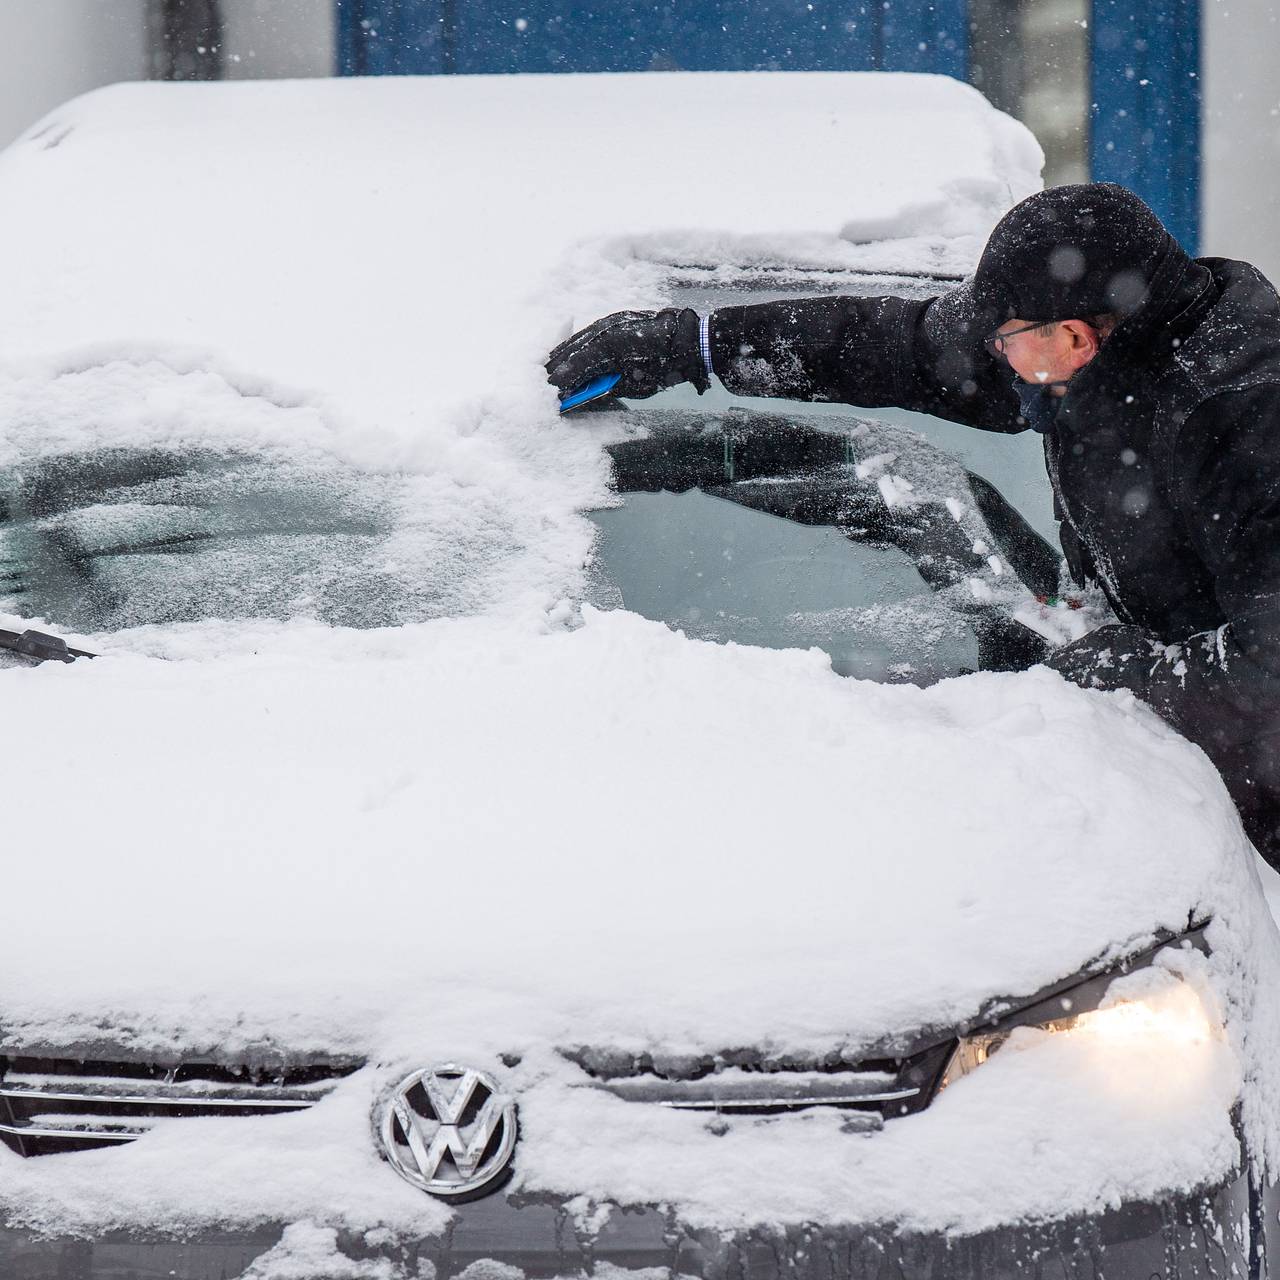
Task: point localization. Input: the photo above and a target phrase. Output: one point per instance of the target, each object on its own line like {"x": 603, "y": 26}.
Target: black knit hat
{"x": 1070, "y": 252}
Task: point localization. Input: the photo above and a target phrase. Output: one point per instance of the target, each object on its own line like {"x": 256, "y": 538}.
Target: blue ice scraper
{"x": 593, "y": 390}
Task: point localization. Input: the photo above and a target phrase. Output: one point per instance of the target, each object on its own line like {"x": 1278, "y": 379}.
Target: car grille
{"x": 49, "y": 1104}
{"x": 746, "y": 1083}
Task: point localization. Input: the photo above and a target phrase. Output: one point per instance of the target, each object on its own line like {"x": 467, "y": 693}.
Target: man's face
{"x": 1046, "y": 353}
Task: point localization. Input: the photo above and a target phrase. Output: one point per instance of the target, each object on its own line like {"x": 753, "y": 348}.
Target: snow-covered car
{"x": 466, "y": 856}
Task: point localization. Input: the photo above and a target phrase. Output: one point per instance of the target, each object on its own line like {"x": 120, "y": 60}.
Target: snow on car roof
{"x": 401, "y": 241}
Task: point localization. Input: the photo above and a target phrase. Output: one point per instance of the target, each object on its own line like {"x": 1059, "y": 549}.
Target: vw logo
{"x": 449, "y": 1130}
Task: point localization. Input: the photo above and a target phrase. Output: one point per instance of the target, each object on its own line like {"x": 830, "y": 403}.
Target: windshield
{"x": 899, "y": 544}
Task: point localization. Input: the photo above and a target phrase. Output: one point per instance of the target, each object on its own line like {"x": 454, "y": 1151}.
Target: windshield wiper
{"x": 41, "y": 647}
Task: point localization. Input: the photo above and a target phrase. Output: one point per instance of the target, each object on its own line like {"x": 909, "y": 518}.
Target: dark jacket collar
{"x": 1179, "y": 294}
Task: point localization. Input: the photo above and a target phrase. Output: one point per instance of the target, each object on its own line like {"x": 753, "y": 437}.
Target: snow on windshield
{"x": 376, "y": 269}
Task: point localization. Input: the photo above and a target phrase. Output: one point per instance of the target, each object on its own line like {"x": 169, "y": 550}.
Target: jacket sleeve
{"x": 924, "y": 355}
{"x": 1221, "y": 687}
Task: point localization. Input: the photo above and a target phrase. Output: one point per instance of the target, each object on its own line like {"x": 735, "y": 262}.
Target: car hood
{"x": 460, "y": 839}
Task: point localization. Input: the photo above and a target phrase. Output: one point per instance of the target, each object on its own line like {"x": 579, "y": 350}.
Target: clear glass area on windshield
{"x": 900, "y": 544}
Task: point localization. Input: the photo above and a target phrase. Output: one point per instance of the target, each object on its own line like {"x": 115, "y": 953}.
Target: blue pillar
{"x": 395, "y": 37}
{"x": 399, "y": 37}
{"x": 926, "y": 37}
{"x": 1146, "y": 106}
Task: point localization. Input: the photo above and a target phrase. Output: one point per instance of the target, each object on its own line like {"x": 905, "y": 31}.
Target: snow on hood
{"x": 457, "y": 840}
{"x": 463, "y": 842}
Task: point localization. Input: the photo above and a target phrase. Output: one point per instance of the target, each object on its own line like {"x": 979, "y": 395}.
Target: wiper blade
{"x": 41, "y": 646}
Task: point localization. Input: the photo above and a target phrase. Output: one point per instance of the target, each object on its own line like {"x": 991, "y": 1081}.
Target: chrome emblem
{"x": 448, "y": 1130}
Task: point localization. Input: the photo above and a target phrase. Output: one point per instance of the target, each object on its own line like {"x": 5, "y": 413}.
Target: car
{"x": 494, "y": 843}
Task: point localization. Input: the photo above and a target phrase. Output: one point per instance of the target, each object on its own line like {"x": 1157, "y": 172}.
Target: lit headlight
{"x": 1152, "y": 1007}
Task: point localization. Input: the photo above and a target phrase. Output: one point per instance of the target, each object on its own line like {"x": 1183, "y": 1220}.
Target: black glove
{"x": 1112, "y": 657}
{"x": 651, "y": 350}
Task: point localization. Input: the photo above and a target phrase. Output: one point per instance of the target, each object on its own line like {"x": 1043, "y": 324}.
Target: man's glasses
{"x": 996, "y": 341}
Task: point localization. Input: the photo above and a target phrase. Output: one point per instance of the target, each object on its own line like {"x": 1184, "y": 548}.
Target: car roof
{"x": 405, "y": 249}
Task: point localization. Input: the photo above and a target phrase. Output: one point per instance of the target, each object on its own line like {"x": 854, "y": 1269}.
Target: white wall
{"x": 51, "y": 50}
{"x": 270, "y": 38}
{"x": 1241, "y": 172}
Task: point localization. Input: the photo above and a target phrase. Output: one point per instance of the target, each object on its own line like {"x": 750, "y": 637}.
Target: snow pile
{"x": 306, "y": 1251}
{"x": 554, "y": 777}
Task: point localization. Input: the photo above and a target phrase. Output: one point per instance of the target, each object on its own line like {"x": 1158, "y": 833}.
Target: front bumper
{"x": 1192, "y": 1237}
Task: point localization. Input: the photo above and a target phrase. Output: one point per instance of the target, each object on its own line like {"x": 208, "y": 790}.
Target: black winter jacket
{"x": 1165, "y": 466}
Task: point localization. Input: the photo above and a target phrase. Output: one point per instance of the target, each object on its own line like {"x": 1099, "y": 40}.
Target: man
{"x": 1155, "y": 382}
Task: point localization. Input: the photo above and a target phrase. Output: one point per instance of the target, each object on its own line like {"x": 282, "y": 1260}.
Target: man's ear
{"x": 1085, "y": 342}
